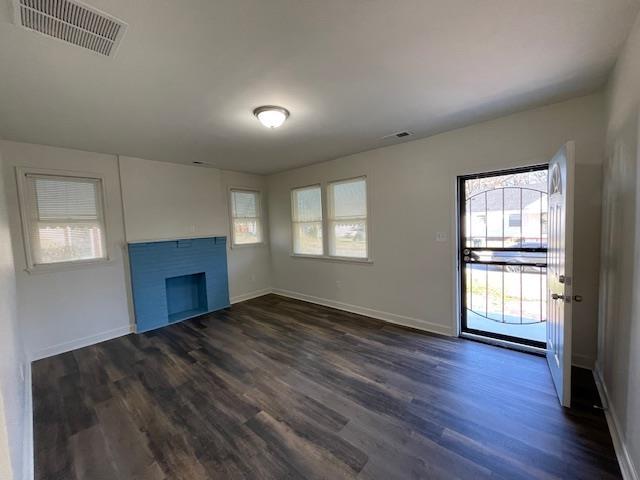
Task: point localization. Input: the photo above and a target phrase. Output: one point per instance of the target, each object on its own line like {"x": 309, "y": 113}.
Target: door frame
{"x": 487, "y": 337}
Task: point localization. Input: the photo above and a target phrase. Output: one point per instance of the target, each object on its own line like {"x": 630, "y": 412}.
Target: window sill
{"x": 327, "y": 258}
{"x": 66, "y": 266}
{"x": 248, "y": 245}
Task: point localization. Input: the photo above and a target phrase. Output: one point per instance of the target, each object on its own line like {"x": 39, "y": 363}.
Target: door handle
{"x": 557, "y": 296}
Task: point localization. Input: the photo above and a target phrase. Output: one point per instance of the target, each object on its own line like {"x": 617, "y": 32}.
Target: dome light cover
{"x": 271, "y": 116}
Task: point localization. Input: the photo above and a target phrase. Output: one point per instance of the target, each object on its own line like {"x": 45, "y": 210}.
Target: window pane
{"x": 307, "y": 238}
{"x": 493, "y": 218}
{"x": 246, "y": 231}
{"x": 349, "y": 199}
{"x": 307, "y": 205}
{"x": 348, "y": 219}
{"x": 65, "y": 219}
{"x": 478, "y": 213}
{"x": 509, "y": 300}
{"x": 245, "y": 213}
{"x": 244, "y": 204}
{"x": 54, "y": 243}
{"x": 512, "y": 207}
{"x": 349, "y": 239}
{"x": 306, "y": 215}
{"x": 512, "y": 218}
{"x": 531, "y": 218}
{"x": 58, "y": 198}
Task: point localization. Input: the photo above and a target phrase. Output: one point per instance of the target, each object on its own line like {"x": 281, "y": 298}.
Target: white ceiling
{"x": 189, "y": 73}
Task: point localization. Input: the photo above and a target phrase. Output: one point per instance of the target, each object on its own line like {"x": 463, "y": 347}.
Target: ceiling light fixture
{"x": 271, "y": 116}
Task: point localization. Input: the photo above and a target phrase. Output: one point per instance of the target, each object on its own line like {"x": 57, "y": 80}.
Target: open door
{"x": 560, "y": 269}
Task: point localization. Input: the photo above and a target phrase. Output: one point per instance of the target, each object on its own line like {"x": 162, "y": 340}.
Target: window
{"x": 246, "y": 217}
{"x": 342, "y": 232}
{"x": 347, "y": 222}
{"x": 306, "y": 216}
{"x": 515, "y": 220}
{"x": 63, "y": 219}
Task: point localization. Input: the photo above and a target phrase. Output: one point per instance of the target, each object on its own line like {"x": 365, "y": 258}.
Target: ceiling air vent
{"x": 397, "y": 135}
{"x": 71, "y": 22}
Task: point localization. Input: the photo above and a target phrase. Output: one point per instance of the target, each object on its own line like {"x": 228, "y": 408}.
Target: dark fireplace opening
{"x": 186, "y": 296}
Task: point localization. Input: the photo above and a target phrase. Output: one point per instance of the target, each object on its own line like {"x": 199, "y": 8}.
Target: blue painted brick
{"x": 152, "y": 263}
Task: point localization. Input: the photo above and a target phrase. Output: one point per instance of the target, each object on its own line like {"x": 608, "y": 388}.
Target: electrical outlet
{"x": 441, "y": 236}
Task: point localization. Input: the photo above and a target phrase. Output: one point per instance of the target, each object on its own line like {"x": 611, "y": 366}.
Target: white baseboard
{"x": 81, "y": 342}
{"x": 582, "y": 361}
{"x": 629, "y": 470}
{"x": 28, "y": 472}
{"x": 416, "y": 323}
{"x": 250, "y": 295}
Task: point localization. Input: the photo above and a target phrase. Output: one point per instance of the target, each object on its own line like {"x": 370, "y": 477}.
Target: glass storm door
{"x": 503, "y": 257}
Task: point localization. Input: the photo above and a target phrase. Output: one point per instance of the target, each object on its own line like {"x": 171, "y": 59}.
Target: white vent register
{"x": 72, "y": 22}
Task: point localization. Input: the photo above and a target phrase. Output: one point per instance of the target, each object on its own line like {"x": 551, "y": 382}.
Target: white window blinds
{"x": 64, "y": 219}
{"x": 306, "y": 217}
{"x": 347, "y": 218}
{"x": 246, "y": 217}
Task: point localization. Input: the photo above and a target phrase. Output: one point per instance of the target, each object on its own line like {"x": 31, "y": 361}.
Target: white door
{"x": 560, "y": 270}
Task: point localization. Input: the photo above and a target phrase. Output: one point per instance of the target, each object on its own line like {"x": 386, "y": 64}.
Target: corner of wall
{"x": 617, "y": 367}
{"x": 15, "y": 368}
{"x": 627, "y": 465}
{"x": 28, "y": 464}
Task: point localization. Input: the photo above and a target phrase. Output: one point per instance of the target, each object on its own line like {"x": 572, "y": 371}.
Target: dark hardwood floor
{"x": 276, "y": 388}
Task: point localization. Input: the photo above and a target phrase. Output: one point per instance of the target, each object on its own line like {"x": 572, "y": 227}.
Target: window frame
{"x": 259, "y": 218}
{"x": 331, "y": 220}
{"x": 23, "y": 203}
{"x": 324, "y": 189}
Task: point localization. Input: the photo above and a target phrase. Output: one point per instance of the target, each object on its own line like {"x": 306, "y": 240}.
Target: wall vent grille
{"x": 71, "y": 22}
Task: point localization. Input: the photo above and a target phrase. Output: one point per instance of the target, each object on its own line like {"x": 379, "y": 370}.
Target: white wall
{"x": 165, "y": 201}
{"x": 250, "y": 265}
{"x": 65, "y": 309}
{"x": 618, "y": 366}
{"x": 169, "y": 201}
{"x": 12, "y": 358}
{"x": 412, "y": 197}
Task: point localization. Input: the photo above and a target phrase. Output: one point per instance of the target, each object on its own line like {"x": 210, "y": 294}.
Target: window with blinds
{"x": 347, "y": 218}
{"x": 63, "y": 219}
{"x": 246, "y": 217}
{"x": 306, "y": 219}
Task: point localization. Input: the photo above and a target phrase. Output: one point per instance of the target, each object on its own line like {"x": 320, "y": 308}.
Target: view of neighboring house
{"x": 508, "y": 217}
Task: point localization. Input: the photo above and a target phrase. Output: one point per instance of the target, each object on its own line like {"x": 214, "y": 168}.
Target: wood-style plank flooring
{"x": 275, "y": 388}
